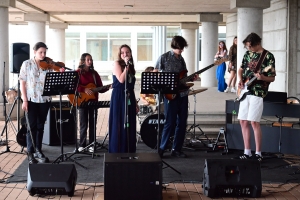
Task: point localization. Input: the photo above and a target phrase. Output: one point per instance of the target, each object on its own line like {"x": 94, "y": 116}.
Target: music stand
{"x": 160, "y": 83}
{"x": 57, "y": 83}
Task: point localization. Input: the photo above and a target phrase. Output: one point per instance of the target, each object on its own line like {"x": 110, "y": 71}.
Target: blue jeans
{"x": 37, "y": 115}
{"x": 176, "y": 112}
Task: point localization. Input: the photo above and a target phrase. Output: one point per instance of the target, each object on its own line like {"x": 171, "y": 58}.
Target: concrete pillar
{"x": 250, "y": 19}
{"x": 160, "y": 39}
{"x": 56, "y": 47}
{"x": 188, "y": 32}
{"x": 4, "y": 47}
{"x": 37, "y": 28}
{"x": 209, "y": 44}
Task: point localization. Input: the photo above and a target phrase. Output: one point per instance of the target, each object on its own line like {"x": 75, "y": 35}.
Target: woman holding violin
{"x": 32, "y": 77}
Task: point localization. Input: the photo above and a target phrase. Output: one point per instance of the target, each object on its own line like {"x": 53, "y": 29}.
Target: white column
{"x": 209, "y": 44}
{"x": 4, "y": 48}
{"x": 56, "y": 41}
{"x": 37, "y": 28}
{"x": 250, "y": 19}
{"x": 188, "y": 32}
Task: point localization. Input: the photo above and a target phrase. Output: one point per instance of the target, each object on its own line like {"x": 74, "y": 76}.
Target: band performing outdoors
{"x": 155, "y": 107}
{"x": 130, "y": 115}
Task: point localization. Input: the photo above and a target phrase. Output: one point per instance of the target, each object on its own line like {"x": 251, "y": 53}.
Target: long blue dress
{"x": 220, "y": 77}
{"x": 118, "y": 142}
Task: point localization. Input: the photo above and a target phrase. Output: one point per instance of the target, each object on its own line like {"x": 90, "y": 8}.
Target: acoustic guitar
{"x": 183, "y": 85}
{"x": 21, "y": 135}
{"x": 83, "y": 97}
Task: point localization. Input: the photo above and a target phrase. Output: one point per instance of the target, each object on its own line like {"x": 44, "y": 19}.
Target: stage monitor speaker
{"x": 51, "y": 179}
{"x": 19, "y": 52}
{"x": 132, "y": 176}
{"x": 235, "y": 178}
{"x": 52, "y": 126}
{"x": 276, "y": 97}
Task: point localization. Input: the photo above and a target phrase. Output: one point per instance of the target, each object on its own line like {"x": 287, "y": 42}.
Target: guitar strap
{"x": 94, "y": 78}
{"x": 261, "y": 59}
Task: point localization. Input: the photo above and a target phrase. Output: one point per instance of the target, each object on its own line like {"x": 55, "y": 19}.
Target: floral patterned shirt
{"x": 258, "y": 88}
{"x": 34, "y": 77}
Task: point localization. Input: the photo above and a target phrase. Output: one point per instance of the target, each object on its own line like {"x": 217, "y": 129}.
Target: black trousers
{"x": 86, "y": 120}
{"x": 37, "y": 115}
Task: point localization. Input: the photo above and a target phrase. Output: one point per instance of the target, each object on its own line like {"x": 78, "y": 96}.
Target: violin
{"x": 48, "y": 63}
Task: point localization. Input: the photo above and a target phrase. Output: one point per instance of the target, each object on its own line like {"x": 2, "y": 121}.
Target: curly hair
{"x": 253, "y": 39}
{"x": 82, "y": 61}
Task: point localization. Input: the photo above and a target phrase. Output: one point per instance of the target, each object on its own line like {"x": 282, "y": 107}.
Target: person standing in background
{"x": 122, "y": 139}
{"x": 232, "y": 66}
{"x": 220, "y": 72}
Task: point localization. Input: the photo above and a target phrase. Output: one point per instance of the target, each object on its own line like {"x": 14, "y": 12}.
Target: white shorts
{"x": 251, "y": 108}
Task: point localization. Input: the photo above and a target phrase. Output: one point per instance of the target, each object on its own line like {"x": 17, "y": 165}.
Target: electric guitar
{"x": 182, "y": 82}
{"x": 242, "y": 93}
{"x": 85, "y": 97}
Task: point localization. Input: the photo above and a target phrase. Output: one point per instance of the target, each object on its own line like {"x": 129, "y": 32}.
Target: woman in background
{"x": 222, "y": 52}
{"x": 232, "y": 66}
{"x": 122, "y": 137}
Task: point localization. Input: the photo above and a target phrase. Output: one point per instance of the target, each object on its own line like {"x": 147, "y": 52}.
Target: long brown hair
{"x": 224, "y": 46}
{"x": 122, "y": 62}
{"x": 82, "y": 61}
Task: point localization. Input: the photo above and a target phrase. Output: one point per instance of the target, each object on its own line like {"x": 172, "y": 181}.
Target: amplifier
{"x": 52, "y": 126}
{"x": 227, "y": 177}
{"x": 132, "y": 176}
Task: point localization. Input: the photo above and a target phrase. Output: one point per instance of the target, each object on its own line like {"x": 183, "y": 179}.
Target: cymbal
{"x": 192, "y": 92}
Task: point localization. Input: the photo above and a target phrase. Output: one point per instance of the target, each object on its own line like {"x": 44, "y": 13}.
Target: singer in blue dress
{"x": 122, "y": 139}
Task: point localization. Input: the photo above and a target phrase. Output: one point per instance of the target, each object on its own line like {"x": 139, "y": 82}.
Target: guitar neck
{"x": 190, "y": 77}
{"x": 101, "y": 88}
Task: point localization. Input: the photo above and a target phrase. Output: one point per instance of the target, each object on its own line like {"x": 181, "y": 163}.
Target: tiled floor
{"x": 9, "y": 162}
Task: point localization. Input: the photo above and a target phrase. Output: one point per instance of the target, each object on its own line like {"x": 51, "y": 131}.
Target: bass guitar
{"x": 183, "y": 81}
{"x": 82, "y": 97}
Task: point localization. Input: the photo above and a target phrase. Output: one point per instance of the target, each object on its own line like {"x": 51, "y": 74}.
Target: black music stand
{"x": 57, "y": 83}
{"x": 160, "y": 83}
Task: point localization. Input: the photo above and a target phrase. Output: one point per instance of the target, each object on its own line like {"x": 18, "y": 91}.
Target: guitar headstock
{"x": 220, "y": 60}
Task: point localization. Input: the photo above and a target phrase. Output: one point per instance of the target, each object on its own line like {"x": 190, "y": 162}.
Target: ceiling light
{"x": 128, "y": 6}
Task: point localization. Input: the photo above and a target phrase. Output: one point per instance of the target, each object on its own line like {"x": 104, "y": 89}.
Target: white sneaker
{"x": 80, "y": 149}
{"x": 91, "y": 149}
{"x": 227, "y": 89}
{"x": 233, "y": 90}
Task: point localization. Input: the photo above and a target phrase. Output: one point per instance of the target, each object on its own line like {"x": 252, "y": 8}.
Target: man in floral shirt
{"x": 251, "y": 107}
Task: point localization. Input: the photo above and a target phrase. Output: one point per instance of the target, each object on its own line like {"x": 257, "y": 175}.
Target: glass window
{"x": 99, "y": 49}
{"x": 114, "y": 47}
{"x": 97, "y": 44}
{"x": 72, "y": 46}
{"x": 171, "y": 32}
{"x": 144, "y": 46}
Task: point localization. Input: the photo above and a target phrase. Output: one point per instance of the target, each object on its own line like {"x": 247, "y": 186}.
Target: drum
{"x": 149, "y": 128}
{"x": 145, "y": 110}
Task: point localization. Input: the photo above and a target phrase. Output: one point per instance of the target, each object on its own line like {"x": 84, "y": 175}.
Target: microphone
{"x": 129, "y": 62}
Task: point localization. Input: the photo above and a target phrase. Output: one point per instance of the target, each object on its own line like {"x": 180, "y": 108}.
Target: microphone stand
{"x": 126, "y": 122}
{"x": 5, "y": 116}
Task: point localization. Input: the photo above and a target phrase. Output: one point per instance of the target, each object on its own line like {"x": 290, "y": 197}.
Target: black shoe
{"x": 31, "y": 158}
{"x": 242, "y": 157}
{"x": 161, "y": 152}
{"x": 257, "y": 157}
{"x": 40, "y": 157}
{"x": 178, "y": 154}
